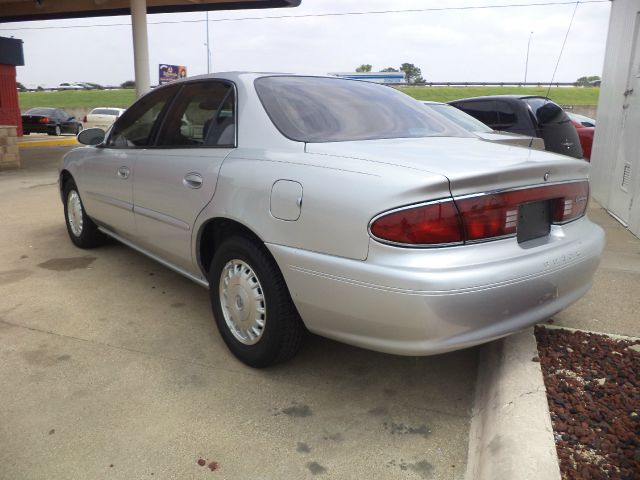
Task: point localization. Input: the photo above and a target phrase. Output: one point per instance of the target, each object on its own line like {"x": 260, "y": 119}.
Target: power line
{"x": 320, "y": 15}
{"x": 563, "y": 44}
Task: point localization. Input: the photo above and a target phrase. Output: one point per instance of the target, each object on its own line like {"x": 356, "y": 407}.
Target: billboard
{"x": 169, "y": 73}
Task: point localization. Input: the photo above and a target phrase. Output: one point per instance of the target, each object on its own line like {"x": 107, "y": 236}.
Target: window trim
{"x": 156, "y": 135}
{"x": 154, "y": 130}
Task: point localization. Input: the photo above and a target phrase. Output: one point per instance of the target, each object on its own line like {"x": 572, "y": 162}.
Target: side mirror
{"x": 71, "y": 118}
{"x": 91, "y": 136}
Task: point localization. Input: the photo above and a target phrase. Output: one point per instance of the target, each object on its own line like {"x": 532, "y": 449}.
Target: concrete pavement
{"x": 111, "y": 367}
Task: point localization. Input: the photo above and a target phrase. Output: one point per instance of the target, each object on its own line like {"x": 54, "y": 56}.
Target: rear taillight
{"x": 43, "y": 120}
{"x": 477, "y": 217}
{"x": 428, "y": 224}
{"x": 85, "y": 119}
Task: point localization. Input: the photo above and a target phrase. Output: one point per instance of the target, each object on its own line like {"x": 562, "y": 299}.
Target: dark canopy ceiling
{"x": 24, "y": 10}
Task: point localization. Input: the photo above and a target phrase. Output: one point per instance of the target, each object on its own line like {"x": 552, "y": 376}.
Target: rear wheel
{"x": 82, "y": 231}
{"x": 251, "y": 304}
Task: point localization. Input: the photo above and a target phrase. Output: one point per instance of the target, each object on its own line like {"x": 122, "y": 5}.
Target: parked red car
{"x": 585, "y": 127}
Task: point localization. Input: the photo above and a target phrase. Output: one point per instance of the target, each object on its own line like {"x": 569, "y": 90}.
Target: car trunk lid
{"x": 470, "y": 164}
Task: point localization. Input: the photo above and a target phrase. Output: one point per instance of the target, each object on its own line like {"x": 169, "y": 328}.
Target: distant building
{"x": 375, "y": 77}
{"x": 615, "y": 159}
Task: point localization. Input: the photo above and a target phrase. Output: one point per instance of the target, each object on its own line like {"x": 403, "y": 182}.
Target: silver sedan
{"x": 336, "y": 206}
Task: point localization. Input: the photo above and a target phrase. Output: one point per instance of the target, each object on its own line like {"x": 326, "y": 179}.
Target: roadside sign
{"x": 169, "y": 73}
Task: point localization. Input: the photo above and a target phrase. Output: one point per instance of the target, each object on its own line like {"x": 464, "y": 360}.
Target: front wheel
{"x": 82, "y": 231}
{"x": 251, "y": 304}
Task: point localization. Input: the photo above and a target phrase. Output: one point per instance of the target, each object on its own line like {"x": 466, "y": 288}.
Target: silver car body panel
{"x": 346, "y": 285}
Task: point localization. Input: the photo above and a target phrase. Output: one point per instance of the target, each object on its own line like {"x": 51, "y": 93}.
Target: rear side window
{"x": 318, "y": 109}
{"x": 40, "y": 111}
{"x": 136, "y": 126}
{"x": 485, "y": 111}
{"x": 507, "y": 117}
{"x": 203, "y": 115}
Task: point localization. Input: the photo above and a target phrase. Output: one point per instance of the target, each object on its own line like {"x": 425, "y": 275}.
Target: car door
{"x": 106, "y": 183}
{"x": 66, "y": 121}
{"x": 177, "y": 177}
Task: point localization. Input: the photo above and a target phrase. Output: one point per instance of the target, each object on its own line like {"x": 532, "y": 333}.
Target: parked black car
{"x": 527, "y": 115}
{"x": 49, "y": 120}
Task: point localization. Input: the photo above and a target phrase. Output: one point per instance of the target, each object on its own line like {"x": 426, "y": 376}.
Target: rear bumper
{"x": 421, "y": 302}
{"x": 39, "y": 128}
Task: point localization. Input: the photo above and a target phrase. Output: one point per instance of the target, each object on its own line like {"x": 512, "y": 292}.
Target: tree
{"x": 128, "y": 84}
{"x": 413, "y": 73}
{"x": 389, "y": 69}
{"x": 587, "y": 81}
{"x": 21, "y": 87}
{"x": 365, "y": 67}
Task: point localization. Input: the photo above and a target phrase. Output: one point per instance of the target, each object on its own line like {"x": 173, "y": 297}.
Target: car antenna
{"x": 564, "y": 42}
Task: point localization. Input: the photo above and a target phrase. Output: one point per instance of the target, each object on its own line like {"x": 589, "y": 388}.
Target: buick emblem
{"x": 546, "y": 176}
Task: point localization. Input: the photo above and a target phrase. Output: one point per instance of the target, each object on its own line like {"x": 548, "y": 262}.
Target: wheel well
{"x": 213, "y": 234}
{"x": 64, "y": 177}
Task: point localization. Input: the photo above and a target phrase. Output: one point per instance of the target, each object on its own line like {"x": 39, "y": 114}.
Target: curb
{"x": 48, "y": 143}
{"x": 511, "y": 434}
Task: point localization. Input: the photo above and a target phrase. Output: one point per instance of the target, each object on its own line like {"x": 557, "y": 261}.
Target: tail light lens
{"x": 477, "y": 217}
{"x": 44, "y": 120}
{"x": 85, "y": 119}
{"x": 429, "y": 224}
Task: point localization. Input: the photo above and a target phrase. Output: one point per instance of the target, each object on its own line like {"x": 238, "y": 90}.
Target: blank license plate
{"x": 534, "y": 220}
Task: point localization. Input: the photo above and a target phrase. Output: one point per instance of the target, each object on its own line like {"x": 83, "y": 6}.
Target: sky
{"x": 487, "y": 44}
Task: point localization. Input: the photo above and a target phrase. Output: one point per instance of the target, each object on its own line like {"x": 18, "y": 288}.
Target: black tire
{"x": 283, "y": 329}
{"x": 89, "y": 235}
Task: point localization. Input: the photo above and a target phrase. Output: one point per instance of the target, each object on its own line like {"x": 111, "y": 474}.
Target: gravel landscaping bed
{"x": 593, "y": 390}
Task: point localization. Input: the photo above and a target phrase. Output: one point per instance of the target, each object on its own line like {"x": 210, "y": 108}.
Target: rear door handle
{"x": 123, "y": 172}
{"x": 192, "y": 180}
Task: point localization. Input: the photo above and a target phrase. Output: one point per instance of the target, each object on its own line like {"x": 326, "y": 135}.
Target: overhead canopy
{"x": 25, "y": 10}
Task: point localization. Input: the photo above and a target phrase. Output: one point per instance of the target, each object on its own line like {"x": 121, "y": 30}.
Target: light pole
{"x": 207, "y": 44}
{"x": 526, "y": 63}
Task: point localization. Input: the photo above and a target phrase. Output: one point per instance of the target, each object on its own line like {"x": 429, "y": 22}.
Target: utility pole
{"x": 526, "y": 63}
{"x": 208, "y": 51}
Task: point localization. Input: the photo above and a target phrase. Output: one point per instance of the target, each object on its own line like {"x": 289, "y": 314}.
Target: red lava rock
{"x": 593, "y": 389}
{"x": 213, "y": 466}
{"x": 202, "y": 462}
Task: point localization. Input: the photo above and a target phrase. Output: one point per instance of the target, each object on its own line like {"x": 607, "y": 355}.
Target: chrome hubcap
{"x": 74, "y": 213}
{"x": 242, "y": 301}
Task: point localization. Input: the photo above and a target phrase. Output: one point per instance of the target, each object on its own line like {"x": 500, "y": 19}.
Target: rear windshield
{"x": 317, "y": 109}
{"x": 465, "y": 120}
{"x": 40, "y": 111}
{"x": 546, "y": 111}
{"x": 105, "y": 111}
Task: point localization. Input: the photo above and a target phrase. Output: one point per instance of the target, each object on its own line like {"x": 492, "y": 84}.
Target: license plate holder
{"x": 534, "y": 220}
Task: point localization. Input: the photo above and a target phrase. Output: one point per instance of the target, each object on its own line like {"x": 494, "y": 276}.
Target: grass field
{"x": 77, "y": 99}
{"x": 124, "y": 98}
{"x": 561, "y": 95}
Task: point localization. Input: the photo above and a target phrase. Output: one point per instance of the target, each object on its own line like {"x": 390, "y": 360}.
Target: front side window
{"x": 318, "y": 109}
{"x": 203, "y": 115}
{"x": 136, "y": 126}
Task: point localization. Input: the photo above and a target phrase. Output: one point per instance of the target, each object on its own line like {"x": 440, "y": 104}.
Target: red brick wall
{"x": 9, "y": 108}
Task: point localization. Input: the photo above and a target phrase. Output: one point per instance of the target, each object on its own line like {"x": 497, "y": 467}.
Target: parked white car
{"x": 343, "y": 207}
{"x": 102, "y": 117}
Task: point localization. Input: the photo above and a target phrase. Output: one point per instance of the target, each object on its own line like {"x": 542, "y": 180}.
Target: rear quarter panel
{"x": 340, "y": 196}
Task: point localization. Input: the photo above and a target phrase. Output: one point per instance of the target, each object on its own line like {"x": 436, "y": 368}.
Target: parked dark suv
{"x": 527, "y": 115}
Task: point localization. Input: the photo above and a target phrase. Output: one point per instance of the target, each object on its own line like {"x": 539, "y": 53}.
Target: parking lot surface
{"x": 111, "y": 367}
